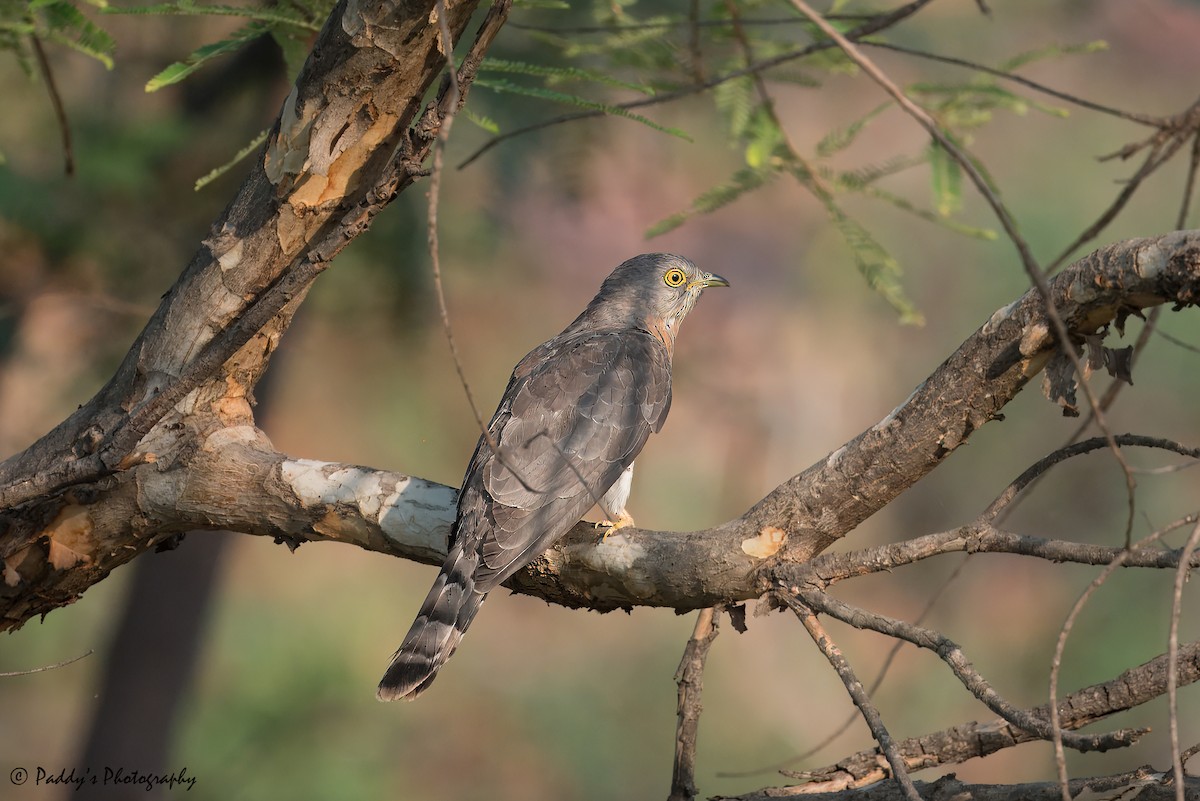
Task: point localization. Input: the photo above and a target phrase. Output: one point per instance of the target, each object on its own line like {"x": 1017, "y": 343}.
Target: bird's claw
{"x": 625, "y": 520}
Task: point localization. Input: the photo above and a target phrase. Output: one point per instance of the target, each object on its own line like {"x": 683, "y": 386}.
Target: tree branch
{"x": 957, "y": 744}
{"x": 207, "y": 445}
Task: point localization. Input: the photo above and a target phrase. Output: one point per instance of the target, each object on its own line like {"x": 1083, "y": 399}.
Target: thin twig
{"x": 874, "y": 24}
{"x": 1006, "y": 220}
{"x": 55, "y": 666}
{"x": 435, "y": 188}
{"x": 888, "y": 660}
{"x": 975, "y": 739}
{"x": 858, "y": 695}
{"x": 952, "y": 654}
{"x": 1178, "y": 342}
{"x": 60, "y": 112}
{"x": 1141, "y": 119}
{"x": 448, "y": 105}
{"x": 1162, "y": 149}
{"x": 689, "y": 679}
{"x": 1181, "y": 576}
{"x": 1035, "y": 471}
{"x": 1060, "y": 645}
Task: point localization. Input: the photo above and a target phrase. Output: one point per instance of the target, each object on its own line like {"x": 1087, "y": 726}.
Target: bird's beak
{"x": 714, "y": 280}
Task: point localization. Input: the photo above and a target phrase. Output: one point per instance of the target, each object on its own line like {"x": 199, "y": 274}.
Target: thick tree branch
{"x": 211, "y": 469}
{"x": 315, "y": 187}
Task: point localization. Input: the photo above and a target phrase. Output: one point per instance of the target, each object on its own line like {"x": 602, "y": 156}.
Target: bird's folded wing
{"x": 571, "y": 422}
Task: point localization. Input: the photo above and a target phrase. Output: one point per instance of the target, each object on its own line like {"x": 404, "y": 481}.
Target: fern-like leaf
{"x": 66, "y": 25}
{"x": 575, "y": 100}
{"x": 743, "y": 181}
{"x": 255, "y": 143}
{"x": 880, "y": 269}
{"x": 202, "y": 55}
{"x": 184, "y": 8}
{"x": 560, "y": 73}
{"x": 945, "y": 176}
{"x": 1051, "y": 51}
{"x": 841, "y": 138}
{"x": 481, "y": 120}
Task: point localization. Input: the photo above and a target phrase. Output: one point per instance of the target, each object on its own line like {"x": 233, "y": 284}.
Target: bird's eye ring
{"x": 674, "y": 277}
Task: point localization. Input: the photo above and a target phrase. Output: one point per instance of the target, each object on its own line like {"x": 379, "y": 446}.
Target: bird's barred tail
{"x": 447, "y": 611}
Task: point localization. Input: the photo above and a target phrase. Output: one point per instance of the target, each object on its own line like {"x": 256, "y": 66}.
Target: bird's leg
{"x": 613, "y": 504}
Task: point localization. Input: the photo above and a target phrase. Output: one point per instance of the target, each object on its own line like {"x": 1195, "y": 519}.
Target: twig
{"x": 1181, "y": 576}
{"x": 1134, "y": 687}
{"x": 1061, "y": 643}
{"x": 1141, "y": 119}
{"x": 55, "y": 666}
{"x": 858, "y": 695}
{"x": 1006, "y": 220}
{"x": 435, "y": 188}
{"x": 689, "y": 679}
{"x": 873, "y": 25}
{"x": 1178, "y": 342}
{"x": 1154, "y": 159}
{"x": 952, "y": 654}
{"x": 875, "y": 685}
{"x": 1035, "y": 471}
{"x": 60, "y": 112}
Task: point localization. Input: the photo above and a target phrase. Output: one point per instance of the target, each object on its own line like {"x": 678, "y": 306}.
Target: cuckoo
{"x": 576, "y": 412}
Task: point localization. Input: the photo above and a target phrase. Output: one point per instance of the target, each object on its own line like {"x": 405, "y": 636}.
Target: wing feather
{"x": 576, "y": 413}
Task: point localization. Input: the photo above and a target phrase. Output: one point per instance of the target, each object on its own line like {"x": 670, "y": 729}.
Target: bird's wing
{"x": 575, "y": 415}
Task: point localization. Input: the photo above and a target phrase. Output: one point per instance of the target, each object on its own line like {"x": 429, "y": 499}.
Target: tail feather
{"x": 440, "y": 625}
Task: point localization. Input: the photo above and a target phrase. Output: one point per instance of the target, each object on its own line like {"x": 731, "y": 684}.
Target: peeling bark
{"x": 205, "y": 466}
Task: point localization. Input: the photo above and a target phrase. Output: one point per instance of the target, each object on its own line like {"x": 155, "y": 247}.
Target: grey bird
{"x": 576, "y": 413}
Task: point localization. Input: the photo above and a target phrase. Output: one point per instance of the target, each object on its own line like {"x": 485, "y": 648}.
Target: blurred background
{"x": 274, "y": 696}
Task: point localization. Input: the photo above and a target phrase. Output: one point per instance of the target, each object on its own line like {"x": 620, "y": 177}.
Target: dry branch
{"x": 205, "y": 466}
{"x": 1151, "y": 785}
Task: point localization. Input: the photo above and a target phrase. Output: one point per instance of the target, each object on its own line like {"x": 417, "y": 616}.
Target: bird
{"x": 574, "y": 416}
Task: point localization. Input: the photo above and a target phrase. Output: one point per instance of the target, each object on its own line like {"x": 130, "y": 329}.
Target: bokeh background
{"x": 771, "y": 375}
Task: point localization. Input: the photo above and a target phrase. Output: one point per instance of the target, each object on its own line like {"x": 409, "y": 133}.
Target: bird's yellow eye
{"x": 674, "y": 277}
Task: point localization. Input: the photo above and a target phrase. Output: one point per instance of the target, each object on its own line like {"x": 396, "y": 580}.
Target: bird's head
{"x": 655, "y": 290}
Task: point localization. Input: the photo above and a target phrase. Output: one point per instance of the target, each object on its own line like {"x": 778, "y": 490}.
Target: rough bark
{"x": 205, "y": 466}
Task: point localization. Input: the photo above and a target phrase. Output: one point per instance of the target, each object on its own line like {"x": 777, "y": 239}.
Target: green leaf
{"x": 202, "y": 55}
{"x": 881, "y": 271}
{"x": 986, "y": 234}
{"x": 1051, "y": 51}
{"x": 66, "y": 25}
{"x": 483, "y": 121}
{"x": 945, "y": 177}
{"x": 841, "y": 138}
{"x": 255, "y": 143}
{"x": 561, "y": 73}
{"x": 763, "y": 136}
{"x": 553, "y": 5}
{"x": 743, "y": 181}
{"x": 186, "y": 8}
{"x": 735, "y": 100}
{"x": 574, "y": 100}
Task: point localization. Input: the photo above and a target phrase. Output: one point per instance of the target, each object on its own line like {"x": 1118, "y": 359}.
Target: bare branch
{"x": 1007, "y": 221}
{"x": 954, "y": 657}
{"x": 859, "y": 695}
{"x": 1181, "y": 576}
{"x": 734, "y": 561}
{"x": 43, "y": 668}
{"x": 957, "y": 744}
{"x": 1149, "y": 785}
{"x": 689, "y": 679}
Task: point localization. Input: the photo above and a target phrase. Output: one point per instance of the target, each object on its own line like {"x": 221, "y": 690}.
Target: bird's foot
{"x": 624, "y": 520}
